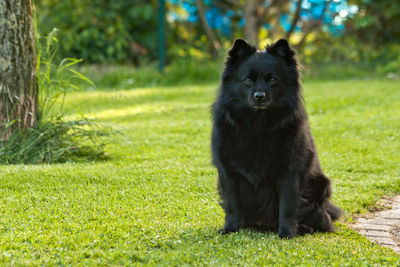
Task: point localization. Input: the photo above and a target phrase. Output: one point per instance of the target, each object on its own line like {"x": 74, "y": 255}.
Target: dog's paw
{"x": 287, "y": 235}
{"x": 224, "y": 231}
{"x": 287, "y": 232}
{"x": 232, "y": 225}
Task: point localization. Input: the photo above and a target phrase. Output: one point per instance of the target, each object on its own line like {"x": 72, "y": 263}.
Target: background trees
{"x": 126, "y": 31}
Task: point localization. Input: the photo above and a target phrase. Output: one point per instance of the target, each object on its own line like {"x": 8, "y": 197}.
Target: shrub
{"x": 98, "y": 30}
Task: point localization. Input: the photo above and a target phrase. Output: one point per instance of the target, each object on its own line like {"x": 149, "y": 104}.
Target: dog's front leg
{"x": 232, "y": 222}
{"x": 287, "y": 189}
{"x": 229, "y": 195}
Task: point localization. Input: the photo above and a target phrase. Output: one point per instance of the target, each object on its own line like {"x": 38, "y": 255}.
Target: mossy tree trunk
{"x": 18, "y": 81}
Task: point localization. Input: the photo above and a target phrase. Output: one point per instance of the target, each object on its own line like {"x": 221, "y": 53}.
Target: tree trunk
{"x": 18, "y": 81}
{"x": 214, "y": 43}
{"x": 251, "y": 26}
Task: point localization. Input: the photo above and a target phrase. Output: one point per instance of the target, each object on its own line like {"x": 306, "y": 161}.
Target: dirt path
{"x": 382, "y": 227}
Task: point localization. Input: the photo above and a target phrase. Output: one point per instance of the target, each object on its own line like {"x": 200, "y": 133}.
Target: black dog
{"x": 269, "y": 174}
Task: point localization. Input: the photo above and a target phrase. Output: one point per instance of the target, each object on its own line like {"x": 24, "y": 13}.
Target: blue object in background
{"x": 334, "y": 15}
{"x": 285, "y": 21}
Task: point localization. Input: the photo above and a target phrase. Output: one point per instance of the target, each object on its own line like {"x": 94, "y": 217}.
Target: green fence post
{"x": 161, "y": 35}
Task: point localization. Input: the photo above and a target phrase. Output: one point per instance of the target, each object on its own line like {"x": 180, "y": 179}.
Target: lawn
{"x": 155, "y": 201}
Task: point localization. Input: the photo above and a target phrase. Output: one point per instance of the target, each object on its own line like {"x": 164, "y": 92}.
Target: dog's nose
{"x": 259, "y": 96}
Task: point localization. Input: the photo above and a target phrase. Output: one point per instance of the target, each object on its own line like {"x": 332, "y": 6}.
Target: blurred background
{"x": 125, "y": 44}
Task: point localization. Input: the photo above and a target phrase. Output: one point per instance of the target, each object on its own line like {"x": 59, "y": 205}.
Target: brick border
{"x": 382, "y": 227}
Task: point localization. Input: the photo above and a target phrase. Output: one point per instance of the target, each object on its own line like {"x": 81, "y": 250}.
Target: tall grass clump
{"x": 53, "y": 139}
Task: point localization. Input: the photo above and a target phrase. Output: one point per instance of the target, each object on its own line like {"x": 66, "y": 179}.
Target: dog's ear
{"x": 241, "y": 48}
{"x": 282, "y": 49}
{"x": 239, "y": 51}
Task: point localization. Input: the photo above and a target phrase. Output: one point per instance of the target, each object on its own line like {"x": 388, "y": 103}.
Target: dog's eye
{"x": 248, "y": 81}
{"x": 273, "y": 79}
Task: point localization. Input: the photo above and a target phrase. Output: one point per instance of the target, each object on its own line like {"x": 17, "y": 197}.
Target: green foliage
{"x": 340, "y": 71}
{"x": 52, "y": 138}
{"x": 98, "y": 30}
{"x": 160, "y": 206}
{"x": 178, "y": 72}
{"x": 369, "y": 37}
{"x": 118, "y": 31}
{"x": 392, "y": 68}
{"x": 374, "y": 23}
{"x": 348, "y": 57}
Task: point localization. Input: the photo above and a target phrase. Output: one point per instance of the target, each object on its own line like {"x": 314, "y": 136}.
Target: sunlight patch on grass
{"x": 136, "y": 110}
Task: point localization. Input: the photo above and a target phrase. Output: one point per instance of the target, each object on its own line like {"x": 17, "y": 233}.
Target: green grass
{"x": 157, "y": 203}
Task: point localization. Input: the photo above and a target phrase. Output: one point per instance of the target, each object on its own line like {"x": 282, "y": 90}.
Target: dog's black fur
{"x": 269, "y": 174}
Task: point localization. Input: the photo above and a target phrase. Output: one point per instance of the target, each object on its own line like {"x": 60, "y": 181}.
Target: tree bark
{"x": 18, "y": 81}
{"x": 295, "y": 19}
{"x": 214, "y": 43}
{"x": 251, "y": 26}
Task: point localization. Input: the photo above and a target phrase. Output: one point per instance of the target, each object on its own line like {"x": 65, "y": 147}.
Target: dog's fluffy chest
{"x": 256, "y": 157}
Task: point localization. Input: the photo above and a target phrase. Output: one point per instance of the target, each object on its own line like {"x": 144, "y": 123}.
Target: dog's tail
{"x": 334, "y": 212}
